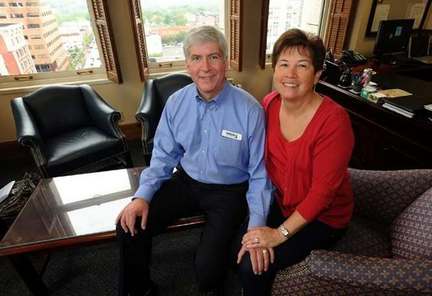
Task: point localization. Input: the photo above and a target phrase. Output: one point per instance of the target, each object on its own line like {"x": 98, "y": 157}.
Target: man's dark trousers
{"x": 225, "y": 208}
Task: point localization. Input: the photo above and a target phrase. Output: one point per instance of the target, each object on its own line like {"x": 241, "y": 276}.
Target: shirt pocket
{"x": 229, "y": 151}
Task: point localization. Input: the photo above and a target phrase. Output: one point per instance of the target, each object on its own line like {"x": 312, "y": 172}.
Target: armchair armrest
{"x": 104, "y": 116}
{"x": 149, "y": 109}
{"x": 401, "y": 275}
{"x": 148, "y": 114}
{"x": 383, "y": 195}
{"x": 27, "y": 132}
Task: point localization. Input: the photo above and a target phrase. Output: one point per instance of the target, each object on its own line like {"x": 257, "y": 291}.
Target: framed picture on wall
{"x": 396, "y": 9}
{"x": 428, "y": 21}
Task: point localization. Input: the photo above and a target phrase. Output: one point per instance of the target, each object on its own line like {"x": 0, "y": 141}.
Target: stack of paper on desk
{"x": 407, "y": 106}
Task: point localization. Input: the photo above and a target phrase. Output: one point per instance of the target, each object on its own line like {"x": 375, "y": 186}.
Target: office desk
{"x": 385, "y": 139}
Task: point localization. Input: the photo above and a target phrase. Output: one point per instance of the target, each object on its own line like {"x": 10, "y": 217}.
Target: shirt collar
{"x": 217, "y": 100}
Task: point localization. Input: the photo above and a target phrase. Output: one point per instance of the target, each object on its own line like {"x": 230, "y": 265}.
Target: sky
{"x": 167, "y": 3}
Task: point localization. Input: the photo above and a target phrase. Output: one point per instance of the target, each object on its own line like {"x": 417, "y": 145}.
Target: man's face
{"x": 206, "y": 65}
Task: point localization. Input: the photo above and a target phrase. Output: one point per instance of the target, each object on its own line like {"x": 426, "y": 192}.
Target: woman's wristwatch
{"x": 284, "y": 231}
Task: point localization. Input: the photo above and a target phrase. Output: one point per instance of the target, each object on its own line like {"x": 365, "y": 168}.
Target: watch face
{"x": 283, "y": 230}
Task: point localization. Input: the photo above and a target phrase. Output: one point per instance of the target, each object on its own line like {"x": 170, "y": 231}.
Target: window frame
{"x": 108, "y": 71}
{"x": 236, "y": 34}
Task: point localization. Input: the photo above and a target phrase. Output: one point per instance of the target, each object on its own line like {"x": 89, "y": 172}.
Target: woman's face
{"x": 294, "y": 75}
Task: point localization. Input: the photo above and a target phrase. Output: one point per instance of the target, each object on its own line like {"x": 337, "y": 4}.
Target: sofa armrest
{"x": 103, "y": 115}
{"x": 372, "y": 272}
{"x": 383, "y": 195}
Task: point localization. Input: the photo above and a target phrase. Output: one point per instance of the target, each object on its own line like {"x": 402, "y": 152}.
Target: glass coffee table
{"x": 72, "y": 211}
{"x": 64, "y": 212}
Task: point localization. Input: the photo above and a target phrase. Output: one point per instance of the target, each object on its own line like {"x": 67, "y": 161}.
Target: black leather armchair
{"x": 69, "y": 129}
{"x": 156, "y": 93}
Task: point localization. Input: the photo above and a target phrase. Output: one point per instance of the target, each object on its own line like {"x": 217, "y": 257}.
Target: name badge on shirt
{"x": 231, "y": 135}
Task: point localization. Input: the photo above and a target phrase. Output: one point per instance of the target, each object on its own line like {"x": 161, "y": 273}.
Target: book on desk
{"x": 408, "y": 106}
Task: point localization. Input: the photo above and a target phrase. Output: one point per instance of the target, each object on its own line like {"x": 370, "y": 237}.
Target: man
{"x": 213, "y": 133}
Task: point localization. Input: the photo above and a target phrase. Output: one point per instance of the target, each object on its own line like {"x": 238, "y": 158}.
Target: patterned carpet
{"x": 92, "y": 271}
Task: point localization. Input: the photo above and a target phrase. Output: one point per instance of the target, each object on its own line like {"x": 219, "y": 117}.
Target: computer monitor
{"x": 393, "y": 37}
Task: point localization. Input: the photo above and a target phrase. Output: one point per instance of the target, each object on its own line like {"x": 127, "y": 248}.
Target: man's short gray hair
{"x": 205, "y": 34}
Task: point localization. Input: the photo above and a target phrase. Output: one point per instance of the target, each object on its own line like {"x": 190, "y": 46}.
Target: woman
{"x": 308, "y": 147}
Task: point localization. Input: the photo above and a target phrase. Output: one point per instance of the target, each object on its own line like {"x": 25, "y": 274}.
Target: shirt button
{"x": 205, "y": 131}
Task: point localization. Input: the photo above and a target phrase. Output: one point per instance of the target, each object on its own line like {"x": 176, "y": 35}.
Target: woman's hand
{"x": 260, "y": 258}
{"x": 262, "y": 237}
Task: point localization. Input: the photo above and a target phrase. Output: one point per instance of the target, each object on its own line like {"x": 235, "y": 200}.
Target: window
{"x": 160, "y": 27}
{"x": 327, "y": 18}
{"x": 166, "y": 25}
{"x": 65, "y": 42}
{"x": 281, "y": 15}
{"x": 46, "y": 24}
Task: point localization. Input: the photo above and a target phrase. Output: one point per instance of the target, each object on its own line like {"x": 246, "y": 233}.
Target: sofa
{"x": 387, "y": 249}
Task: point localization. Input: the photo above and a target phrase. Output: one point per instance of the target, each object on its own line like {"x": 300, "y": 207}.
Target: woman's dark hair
{"x": 295, "y": 38}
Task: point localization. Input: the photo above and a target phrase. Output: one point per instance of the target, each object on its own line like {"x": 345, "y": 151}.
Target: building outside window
{"x": 286, "y": 14}
{"x": 14, "y": 51}
{"x": 166, "y": 23}
{"x": 65, "y": 38}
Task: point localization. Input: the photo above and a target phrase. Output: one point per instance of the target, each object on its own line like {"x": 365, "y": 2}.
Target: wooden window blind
{"x": 263, "y": 36}
{"x": 104, "y": 30}
{"x": 337, "y": 26}
{"x": 140, "y": 43}
{"x": 235, "y": 34}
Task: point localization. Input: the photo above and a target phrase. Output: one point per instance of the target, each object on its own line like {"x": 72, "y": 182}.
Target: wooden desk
{"x": 385, "y": 139}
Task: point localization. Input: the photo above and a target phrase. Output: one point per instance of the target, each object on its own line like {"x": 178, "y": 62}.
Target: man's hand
{"x": 260, "y": 258}
{"x": 136, "y": 208}
{"x": 262, "y": 237}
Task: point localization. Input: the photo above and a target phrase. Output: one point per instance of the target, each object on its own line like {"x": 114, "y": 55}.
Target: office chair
{"x": 156, "y": 93}
{"x": 69, "y": 129}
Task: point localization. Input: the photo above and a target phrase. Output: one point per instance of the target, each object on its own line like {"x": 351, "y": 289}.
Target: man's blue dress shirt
{"x": 216, "y": 142}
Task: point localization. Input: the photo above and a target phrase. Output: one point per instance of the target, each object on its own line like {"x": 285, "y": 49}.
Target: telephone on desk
{"x": 352, "y": 58}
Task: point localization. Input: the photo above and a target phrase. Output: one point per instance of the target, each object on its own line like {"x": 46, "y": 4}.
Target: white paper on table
{"x": 4, "y": 192}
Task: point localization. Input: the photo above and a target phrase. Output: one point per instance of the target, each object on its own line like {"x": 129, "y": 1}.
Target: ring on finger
{"x": 256, "y": 240}
{"x": 264, "y": 251}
